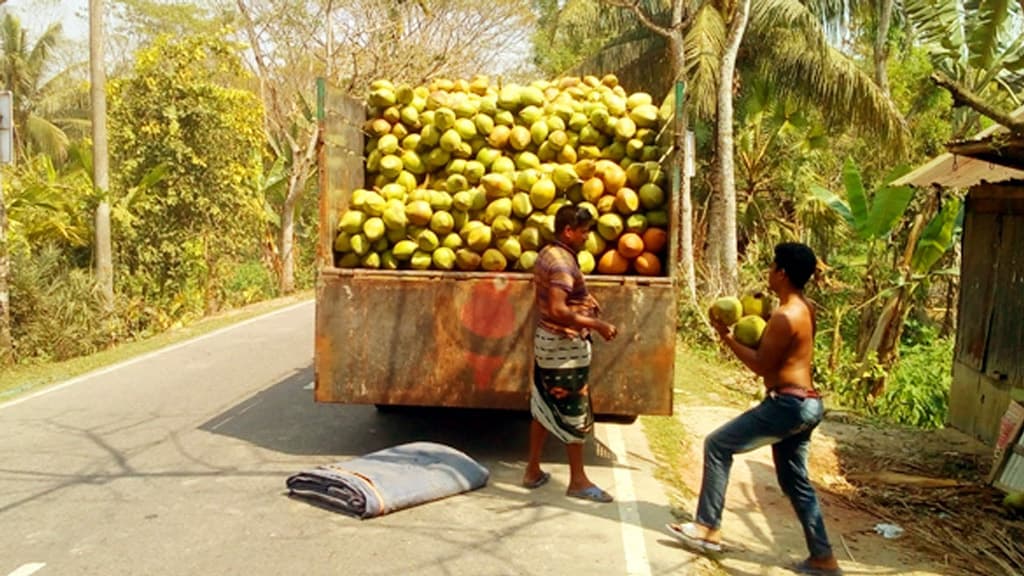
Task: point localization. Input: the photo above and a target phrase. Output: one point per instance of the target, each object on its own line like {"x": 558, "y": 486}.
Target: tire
{"x": 616, "y": 418}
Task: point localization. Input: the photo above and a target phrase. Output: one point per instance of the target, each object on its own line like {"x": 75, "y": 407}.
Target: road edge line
{"x": 28, "y": 569}
{"x": 633, "y": 545}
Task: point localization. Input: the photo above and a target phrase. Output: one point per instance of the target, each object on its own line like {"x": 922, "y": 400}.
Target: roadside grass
{"x": 702, "y": 376}
{"x": 22, "y": 379}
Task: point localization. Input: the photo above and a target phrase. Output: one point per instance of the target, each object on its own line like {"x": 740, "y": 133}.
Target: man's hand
{"x": 607, "y": 331}
{"x": 718, "y": 325}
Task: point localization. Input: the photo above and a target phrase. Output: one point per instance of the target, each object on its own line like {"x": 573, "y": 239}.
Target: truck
{"x": 434, "y": 338}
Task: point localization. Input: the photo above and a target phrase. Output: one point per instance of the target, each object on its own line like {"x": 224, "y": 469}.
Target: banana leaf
{"x": 856, "y": 198}
{"x": 937, "y": 237}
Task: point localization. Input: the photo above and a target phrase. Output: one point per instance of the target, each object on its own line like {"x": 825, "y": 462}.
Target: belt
{"x": 794, "y": 391}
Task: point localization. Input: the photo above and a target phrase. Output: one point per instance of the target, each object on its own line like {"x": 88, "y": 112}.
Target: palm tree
{"x": 25, "y": 71}
{"x": 785, "y": 43}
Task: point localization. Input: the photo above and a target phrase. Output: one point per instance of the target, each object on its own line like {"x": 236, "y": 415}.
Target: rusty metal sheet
{"x": 465, "y": 340}
{"x": 340, "y": 161}
{"x": 951, "y": 170}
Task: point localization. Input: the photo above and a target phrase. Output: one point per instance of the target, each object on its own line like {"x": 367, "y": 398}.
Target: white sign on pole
{"x": 6, "y": 127}
{"x": 691, "y": 152}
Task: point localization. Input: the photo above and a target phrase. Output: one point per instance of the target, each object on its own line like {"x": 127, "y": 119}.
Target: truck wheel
{"x": 616, "y": 418}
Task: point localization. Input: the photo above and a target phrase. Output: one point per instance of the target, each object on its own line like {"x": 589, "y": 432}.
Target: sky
{"x": 37, "y": 15}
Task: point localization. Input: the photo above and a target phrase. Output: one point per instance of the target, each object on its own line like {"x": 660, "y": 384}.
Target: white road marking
{"x": 633, "y": 545}
{"x": 27, "y": 569}
{"x": 308, "y": 386}
{"x": 243, "y": 410}
{"x": 152, "y": 354}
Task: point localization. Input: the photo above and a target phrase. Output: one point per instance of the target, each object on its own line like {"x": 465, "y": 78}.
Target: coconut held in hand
{"x": 748, "y": 330}
{"x": 727, "y": 310}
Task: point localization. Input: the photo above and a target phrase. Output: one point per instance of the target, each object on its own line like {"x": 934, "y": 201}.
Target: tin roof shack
{"x": 988, "y": 363}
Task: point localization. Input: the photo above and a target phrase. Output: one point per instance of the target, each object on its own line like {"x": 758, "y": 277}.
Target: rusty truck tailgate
{"x": 464, "y": 340}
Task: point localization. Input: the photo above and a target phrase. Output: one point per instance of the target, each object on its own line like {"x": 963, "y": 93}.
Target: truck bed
{"x": 465, "y": 340}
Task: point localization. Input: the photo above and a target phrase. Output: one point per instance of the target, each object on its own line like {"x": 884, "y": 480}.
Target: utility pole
{"x": 6, "y": 157}
{"x": 100, "y": 161}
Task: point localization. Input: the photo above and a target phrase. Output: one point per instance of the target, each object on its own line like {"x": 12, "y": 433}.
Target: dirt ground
{"x": 929, "y": 483}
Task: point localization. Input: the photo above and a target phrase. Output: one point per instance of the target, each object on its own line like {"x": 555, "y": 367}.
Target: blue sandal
{"x": 591, "y": 493}
{"x": 540, "y": 481}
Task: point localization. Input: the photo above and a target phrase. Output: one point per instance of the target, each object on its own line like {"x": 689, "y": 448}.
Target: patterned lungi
{"x": 559, "y": 399}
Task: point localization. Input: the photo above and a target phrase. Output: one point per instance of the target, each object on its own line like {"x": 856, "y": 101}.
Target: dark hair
{"x": 798, "y": 262}
{"x": 572, "y": 217}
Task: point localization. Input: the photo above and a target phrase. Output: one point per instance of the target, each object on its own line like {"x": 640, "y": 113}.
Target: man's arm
{"x": 775, "y": 342}
{"x": 560, "y": 309}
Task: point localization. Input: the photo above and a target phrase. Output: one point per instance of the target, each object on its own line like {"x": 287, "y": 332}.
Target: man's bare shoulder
{"x": 797, "y": 313}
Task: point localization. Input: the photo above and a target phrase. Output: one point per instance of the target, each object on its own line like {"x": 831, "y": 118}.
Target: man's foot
{"x": 536, "y": 481}
{"x": 694, "y": 536}
{"x": 826, "y": 566}
{"x": 591, "y": 493}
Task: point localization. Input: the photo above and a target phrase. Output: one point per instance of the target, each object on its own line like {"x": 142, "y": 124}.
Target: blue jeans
{"x": 785, "y": 422}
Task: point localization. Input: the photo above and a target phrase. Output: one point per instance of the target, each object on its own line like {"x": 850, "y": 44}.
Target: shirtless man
{"x": 785, "y": 419}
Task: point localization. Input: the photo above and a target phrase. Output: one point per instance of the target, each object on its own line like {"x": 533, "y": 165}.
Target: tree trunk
{"x": 6, "y": 342}
{"x": 949, "y": 316}
{"x": 100, "y": 161}
{"x": 714, "y": 230}
{"x": 728, "y": 275}
{"x": 287, "y": 244}
{"x": 279, "y": 121}
{"x": 684, "y": 212}
{"x": 881, "y": 54}
{"x": 302, "y": 161}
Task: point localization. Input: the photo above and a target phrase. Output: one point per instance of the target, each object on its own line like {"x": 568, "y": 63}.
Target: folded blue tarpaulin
{"x": 390, "y": 479}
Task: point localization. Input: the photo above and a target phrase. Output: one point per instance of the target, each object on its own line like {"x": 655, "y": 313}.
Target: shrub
{"x": 918, "y": 390}
{"x": 250, "y": 282}
{"x": 56, "y": 311}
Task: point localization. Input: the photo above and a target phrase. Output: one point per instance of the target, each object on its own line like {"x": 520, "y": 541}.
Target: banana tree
{"x": 874, "y": 219}
{"x": 975, "y": 47}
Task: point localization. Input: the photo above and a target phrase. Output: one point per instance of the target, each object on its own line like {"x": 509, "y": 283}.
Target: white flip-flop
{"x": 687, "y": 534}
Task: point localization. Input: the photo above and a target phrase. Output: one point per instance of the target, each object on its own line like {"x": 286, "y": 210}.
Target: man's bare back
{"x": 794, "y": 323}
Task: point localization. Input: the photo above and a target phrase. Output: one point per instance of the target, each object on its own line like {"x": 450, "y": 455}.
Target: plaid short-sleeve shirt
{"x": 556, "y": 267}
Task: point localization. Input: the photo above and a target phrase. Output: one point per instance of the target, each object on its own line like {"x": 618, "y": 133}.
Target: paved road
{"x": 174, "y": 463}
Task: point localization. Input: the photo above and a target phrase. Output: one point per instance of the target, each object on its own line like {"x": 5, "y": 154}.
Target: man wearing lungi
{"x": 566, "y": 314}
{"x": 790, "y": 412}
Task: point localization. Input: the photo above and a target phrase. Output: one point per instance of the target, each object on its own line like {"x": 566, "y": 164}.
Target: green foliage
{"x": 870, "y": 218}
{"x": 250, "y": 282}
{"x": 850, "y": 382}
{"x": 937, "y": 237}
{"x": 926, "y": 107}
{"x": 692, "y": 326}
{"x": 779, "y": 148}
{"x": 178, "y": 116}
{"x": 918, "y": 390}
{"x": 978, "y": 45}
{"x": 55, "y": 309}
{"x": 46, "y": 206}
{"x": 573, "y": 31}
